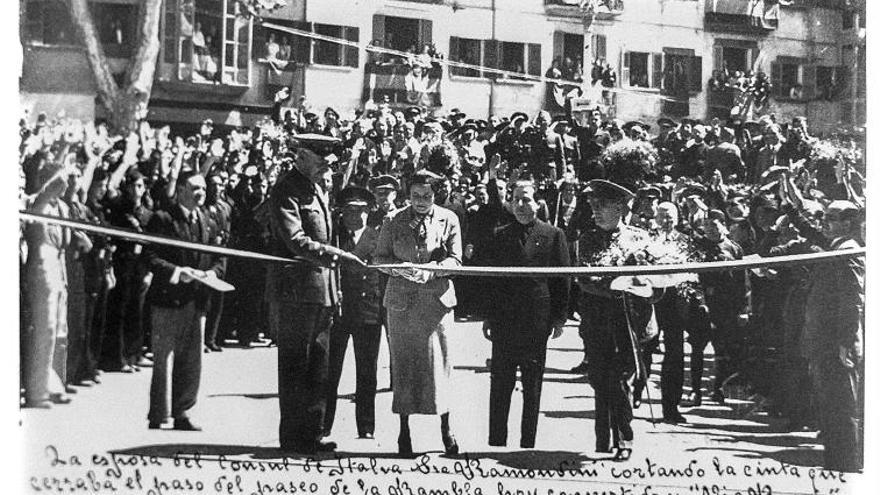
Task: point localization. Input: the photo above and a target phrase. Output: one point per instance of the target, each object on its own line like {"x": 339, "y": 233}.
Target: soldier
{"x": 611, "y": 320}
{"x": 362, "y": 313}
{"x": 303, "y": 296}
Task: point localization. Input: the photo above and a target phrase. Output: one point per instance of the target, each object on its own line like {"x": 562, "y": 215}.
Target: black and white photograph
{"x": 463, "y": 247}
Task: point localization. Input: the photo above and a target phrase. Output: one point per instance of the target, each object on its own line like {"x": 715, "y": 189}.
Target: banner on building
{"x": 403, "y": 84}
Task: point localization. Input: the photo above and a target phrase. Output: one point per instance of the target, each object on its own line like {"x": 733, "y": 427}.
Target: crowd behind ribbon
{"x": 731, "y": 189}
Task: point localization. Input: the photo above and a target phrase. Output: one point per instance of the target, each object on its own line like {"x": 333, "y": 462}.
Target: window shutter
{"x": 379, "y": 29}
{"x": 624, "y": 67}
{"x": 599, "y": 46}
{"x": 491, "y": 56}
{"x": 695, "y": 74}
{"x": 351, "y": 52}
{"x": 425, "y": 33}
{"x": 454, "y": 55}
{"x": 809, "y": 82}
{"x": 301, "y": 45}
{"x": 717, "y": 57}
{"x": 657, "y": 66}
{"x": 558, "y": 45}
{"x": 776, "y": 78}
{"x": 534, "y": 62}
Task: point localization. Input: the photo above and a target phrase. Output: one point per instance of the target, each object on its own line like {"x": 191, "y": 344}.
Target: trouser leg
{"x": 672, "y": 371}
{"x": 837, "y": 389}
{"x": 366, "y": 354}
{"x": 532, "y": 381}
{"x": 602, "y": 424}
{"x": 215, "y": 312}
{"x": 502, "y": 381}
{"x": 698, "y": 353}
{"x": 40, "y": 342}
{"x": 621, "y": 412}
{"x": 187, "y": 367}
{"x": 338, "y": 344}
{"x": 303, "y": 358}
{"x": 164, "y": 342}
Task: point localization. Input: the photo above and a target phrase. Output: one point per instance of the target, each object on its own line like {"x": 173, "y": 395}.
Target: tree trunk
{"x": 127, "y": 105}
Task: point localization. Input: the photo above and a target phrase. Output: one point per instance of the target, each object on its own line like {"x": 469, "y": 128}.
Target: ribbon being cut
{"x": 651, "y": 263}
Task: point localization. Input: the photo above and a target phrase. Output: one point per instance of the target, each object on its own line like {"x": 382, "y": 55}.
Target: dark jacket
{"x": 362, "y": 287}
{"x": 301, "y": 226}
{"x": 163, "y": 260}
{"x": 522, "y": 311}
{"x": 835, "y": 310}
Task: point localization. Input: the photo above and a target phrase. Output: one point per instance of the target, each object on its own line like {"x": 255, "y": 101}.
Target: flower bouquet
{"x": 645, "y": 249}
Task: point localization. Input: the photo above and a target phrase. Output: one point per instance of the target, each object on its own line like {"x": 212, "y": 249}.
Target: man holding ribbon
{"x": 304, "y": 296}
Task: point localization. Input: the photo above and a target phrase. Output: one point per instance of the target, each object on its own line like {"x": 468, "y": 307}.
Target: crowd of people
{"x": 403, "y": 185}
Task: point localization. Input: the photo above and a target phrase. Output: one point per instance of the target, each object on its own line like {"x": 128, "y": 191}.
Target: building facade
{"x": 215, "y": 64}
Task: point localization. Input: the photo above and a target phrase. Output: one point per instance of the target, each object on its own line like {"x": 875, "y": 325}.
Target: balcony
{"x": 742, "y": 16}
{"x": 608, "y": 9}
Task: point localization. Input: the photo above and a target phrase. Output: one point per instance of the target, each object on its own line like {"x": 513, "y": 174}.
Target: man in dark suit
{"x": 362, "y": 314}
{"x": 523, "y": 312}
{"x": 303, "y": 296}
{"x": 179, "y": 303}
{"x": 834, "y": 336}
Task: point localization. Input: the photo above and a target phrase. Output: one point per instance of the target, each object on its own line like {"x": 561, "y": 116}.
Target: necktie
{"x": 422, "y": 231}
{"x": 194, "y": 225}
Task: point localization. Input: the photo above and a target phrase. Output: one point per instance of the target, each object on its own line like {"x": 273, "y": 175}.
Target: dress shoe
{"x": 580, "y": 368}
{"x": 718, "y": 396}
{"x": 126, "y": 369}
{"x": 637, "y": 402}
{"x": 493, "y": 442}
{"x": 184, "y": 424}
{"x": 623, "y": 455}
{"x": 59, "y": 399}
{"x": 366, "y": 436}
{"x": 143, "y": 362}
{"x": 214, "y": 348}
{"x": 310, "y": 448}
{"x": 206, "y": 350}
{"x": 696, "y": 399}
{"x": 155, "y": 425}
{"x": 674, "y": 418}
{"x": 70, "y": 390}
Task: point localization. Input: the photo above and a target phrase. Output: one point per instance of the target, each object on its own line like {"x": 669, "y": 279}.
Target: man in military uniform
{"x": 612, "y": 319}
{"x": 362, "y": 313}
{"x": 385, "y": 189}
{"x": 522, "y": 312}
{"x": 303, "y": 296}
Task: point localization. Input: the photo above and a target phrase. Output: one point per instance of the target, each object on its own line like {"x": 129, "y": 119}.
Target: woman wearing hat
{"x": 419, "y": 304}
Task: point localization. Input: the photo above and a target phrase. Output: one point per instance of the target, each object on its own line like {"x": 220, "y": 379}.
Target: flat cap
{"x": 355, "y": 196}
{"x": 605, "y": 189}
{"x": 384, "y": 182}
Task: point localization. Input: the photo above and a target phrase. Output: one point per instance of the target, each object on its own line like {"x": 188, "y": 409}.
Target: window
{"x": 208, "y": 41}
{"x": 642, "y": 70}
{"x": 115, "y": 25}
{"x": 467, "y": 51}
{"x": 47, "y": 22}
{"x": 848, "y": 17}
{"x": 827, "y": 82}
{"x": 787, "y": 78}
{"x": 330, "y": 53}
{"x": 523, "y": 58}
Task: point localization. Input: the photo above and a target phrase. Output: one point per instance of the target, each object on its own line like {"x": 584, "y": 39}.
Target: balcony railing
{"x": 742, "y": 16}
{"x": 608, "y": 9}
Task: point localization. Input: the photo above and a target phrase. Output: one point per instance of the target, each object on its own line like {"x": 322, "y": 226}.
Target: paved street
{"x": 239, "y": 413}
